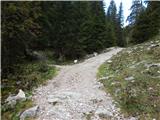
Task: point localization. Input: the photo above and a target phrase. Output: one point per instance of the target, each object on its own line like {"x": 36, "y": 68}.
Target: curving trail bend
{"x": 75, "y": 94}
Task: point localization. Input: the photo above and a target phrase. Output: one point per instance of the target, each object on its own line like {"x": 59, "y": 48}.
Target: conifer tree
{"x": 19, "y": 31}
{"x": 120, "y": 38}
{"x": 98, "y": 35}
{"x": 112, "y": 23}
{"x": 136, "y": 8}
{"x": 147, "y": 24}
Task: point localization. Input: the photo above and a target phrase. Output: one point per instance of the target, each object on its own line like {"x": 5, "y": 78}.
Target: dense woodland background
{"x": 70, "y": 30}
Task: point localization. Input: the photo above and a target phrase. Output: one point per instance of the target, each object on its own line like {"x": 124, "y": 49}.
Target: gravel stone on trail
{"x": 77, "y": 93}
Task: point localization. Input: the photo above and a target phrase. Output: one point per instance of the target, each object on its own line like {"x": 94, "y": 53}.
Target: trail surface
{"x": 75, "y": 94}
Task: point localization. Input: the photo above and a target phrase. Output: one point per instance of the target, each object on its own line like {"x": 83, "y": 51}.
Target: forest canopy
{"x": 71, "y": 29}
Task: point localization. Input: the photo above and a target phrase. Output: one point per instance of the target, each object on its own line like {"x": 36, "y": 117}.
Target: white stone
{"x": 98, "y": 85}
{"x": 21, "y": 95}
{"x": 11, "y": 103}
{"x": 12, "y": 100}
{"x": 31, "y": 112}
{"x": 148, "y": 48}
{"x": 132, "y": 118}
{"x": 150, "y": 88}
{"x": 103, "y": 113}
{"x": 129, "y": 78}
{"x": 154, "y": 45}
{"x": 53, "y": 100}
{"x": 109, "y": 61}
{"x": 75, "y": 61}
{"x": 103, "y": 78}
{"x": 95, "y": 54}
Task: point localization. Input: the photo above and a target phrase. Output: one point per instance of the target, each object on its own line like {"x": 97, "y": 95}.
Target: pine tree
{"x": 47, "y": 22}
{"x": 98, "y": 28}
{"x": 120, "y": 40}
{"x": 153, "y": 12}
{"x": 111, "y": 24}
{"x": 147, "y": 24}
{"x": 136, "y": 8}
{"x": 84, "y": 24}
{"x": 19, "y": 30}
{"x": 75, "y": 47}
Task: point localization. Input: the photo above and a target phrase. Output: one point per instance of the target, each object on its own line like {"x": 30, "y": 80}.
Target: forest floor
{"x": 76, "y": 94}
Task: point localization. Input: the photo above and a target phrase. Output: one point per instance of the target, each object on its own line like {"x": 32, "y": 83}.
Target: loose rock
{"x": 53, "y": 101}
{"x": 21, "y": 95}
{"x": 129, "y": 78}
{"x": 12, "y": 100}
{"x": 109, "y": 61}
{"x": 103, "y": 113}
{"x": 31, "y": 112}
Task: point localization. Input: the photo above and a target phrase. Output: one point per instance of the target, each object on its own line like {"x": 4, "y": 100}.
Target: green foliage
{"x": 26, "y": 77}
{"x": 12, "y": 113}
{"x": 71, "y": 29}
{"x": 147, "y": 24}
{"x": 97, "y": 26}
{"x": 140, "y": 95}
{"x": 114, "y": 26}
{"x": 75, "y": 28}
{"x": 111, "y": 24}
{"x": 120, "y": 35}
{"x": 19, "y": 28}
{"x": 136, "y": 8}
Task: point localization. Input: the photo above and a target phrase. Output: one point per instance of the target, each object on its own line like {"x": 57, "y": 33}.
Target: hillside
{"x": 132, "y": 77}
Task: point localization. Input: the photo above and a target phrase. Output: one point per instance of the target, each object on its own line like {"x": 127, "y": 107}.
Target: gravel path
{"x": 75, "y": 94}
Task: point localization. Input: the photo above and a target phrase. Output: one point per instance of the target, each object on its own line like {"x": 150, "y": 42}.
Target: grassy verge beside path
{"x": 132, "y": 77}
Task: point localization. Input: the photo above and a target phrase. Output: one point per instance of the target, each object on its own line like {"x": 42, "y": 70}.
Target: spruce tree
{"x": 148, "y": 23}
{"x": 111, "y": 24}
{"x": 98, "y": 35}
{"x": 19, "y": 31}
{"x": 136, "y": 9}
{"x": 120, "y": 36}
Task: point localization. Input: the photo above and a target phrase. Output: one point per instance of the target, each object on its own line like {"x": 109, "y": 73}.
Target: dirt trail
{"x": 75, "y": 94}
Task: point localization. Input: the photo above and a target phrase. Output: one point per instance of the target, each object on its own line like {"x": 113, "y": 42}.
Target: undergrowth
{"x": 26, "y": 77}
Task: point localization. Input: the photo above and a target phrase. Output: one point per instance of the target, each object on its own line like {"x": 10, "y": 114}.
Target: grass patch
{"x": 12, "y": 113}
{"x": 134, "y": 79}
{"x": 26, "y": 77}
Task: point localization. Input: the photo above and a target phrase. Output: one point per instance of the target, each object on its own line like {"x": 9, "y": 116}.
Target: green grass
{"x": 141, "y": 95}
{"x": 26, "y": 77}
{"x": 12, "y": 113}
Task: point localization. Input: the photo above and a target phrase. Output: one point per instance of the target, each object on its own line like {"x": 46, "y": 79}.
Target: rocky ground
{"x": 75, "y": 94}
{"x": 132, "y": 77}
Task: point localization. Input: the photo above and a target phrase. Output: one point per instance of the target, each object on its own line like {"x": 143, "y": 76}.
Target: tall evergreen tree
{"x": 120, "y": 38}
{"x": 85, "y": 23}
{"x": 47, "y": 22}
{"x": 19, "y": 30}
{"x": 112, "y": 23}
{"x": 148, "y": 23}
{"x": 98, "y": 35}
{"x": 136, "y": 8}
